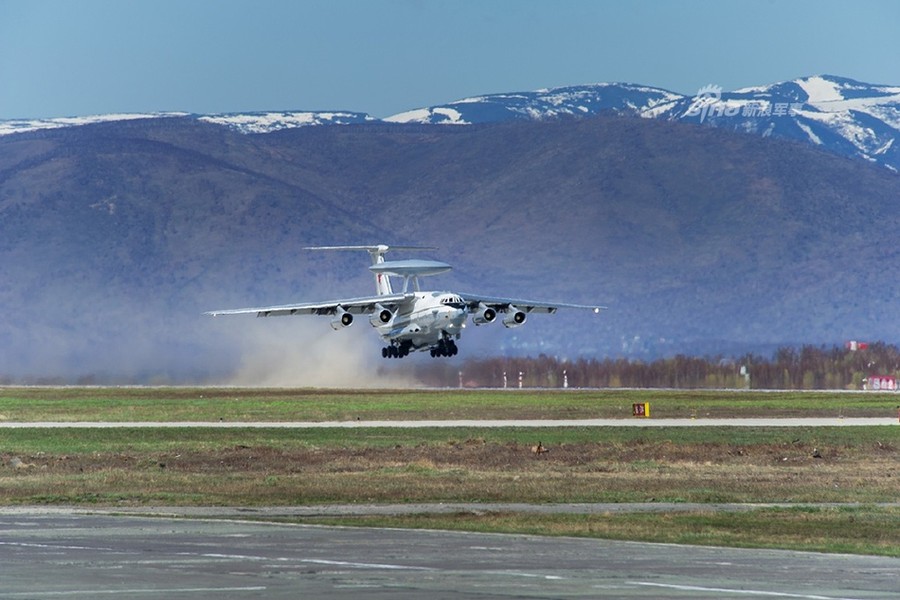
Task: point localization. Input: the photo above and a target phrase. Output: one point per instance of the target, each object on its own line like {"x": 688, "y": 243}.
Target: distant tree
{"x": 807, "y": 367}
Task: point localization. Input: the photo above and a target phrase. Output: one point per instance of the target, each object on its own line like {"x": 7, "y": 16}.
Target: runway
{"x": 637, "y": 422}
{"x": 59, "y": 555}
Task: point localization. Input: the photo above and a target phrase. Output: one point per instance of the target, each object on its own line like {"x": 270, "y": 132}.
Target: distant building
{"x": 883, "y": 383}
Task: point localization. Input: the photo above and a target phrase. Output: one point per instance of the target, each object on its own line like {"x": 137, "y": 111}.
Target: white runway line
{"x": 737, "y": 592}
{"x": 127, "y": 592}
{"x": 531, "y": 423}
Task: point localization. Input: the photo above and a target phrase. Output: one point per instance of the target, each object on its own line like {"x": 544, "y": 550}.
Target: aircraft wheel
{"x": 384, "y": 352}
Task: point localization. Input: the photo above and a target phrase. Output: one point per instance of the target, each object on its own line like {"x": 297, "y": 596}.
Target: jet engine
{"x": 514, "y": 317}
{"x": 381, "y": 316}
{"x": 341, "y": 319}
{"x": 485, "y": 314}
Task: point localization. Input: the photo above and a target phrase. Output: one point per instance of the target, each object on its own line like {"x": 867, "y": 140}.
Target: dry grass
{"x": 236, "y": 467}
{"x": 471, "y": 470}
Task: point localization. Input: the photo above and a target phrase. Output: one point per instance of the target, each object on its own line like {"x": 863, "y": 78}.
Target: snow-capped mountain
{"x": 844, "y": 116}
{"x": 252, "y": 122}
{"x": 840, "y": 115}
{"x": 265, "y": 122}
{"x": 24, "y": 125}
{"x": 575, "y": 101}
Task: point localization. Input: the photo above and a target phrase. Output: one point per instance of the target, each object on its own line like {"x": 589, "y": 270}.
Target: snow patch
{"x": 820, "y": 89}
{"x": 275, "y": 121}
{"x": 441, "y": 115}
{"x": 808, "y": 131}
{"x": 419, "y": 115}
{"x": 451, "y": 116}
{"x": 25, "y": 125}
{"x": 756, "y": 89}
{"x": 885, "y": 147}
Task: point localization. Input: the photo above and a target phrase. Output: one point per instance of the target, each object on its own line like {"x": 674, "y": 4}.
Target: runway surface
{"x": 738, "y": 422}
{"x": 58, "y": 555}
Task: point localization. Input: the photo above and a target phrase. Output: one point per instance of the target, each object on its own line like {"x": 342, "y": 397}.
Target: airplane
{"x": 412, "y": 320}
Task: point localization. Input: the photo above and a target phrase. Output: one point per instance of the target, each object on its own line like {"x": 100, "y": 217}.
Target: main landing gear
{"x": 445, "y": 347}
{"x": 399, "y": 351}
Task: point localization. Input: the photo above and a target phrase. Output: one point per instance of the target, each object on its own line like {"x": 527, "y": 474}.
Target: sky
{"x": 63, "y": 58}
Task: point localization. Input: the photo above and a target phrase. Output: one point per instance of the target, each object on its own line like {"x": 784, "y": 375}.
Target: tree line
{"x": 791, "y": 368}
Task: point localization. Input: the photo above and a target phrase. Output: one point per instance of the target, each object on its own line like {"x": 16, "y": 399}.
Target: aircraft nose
{"x": 455, "y": 315}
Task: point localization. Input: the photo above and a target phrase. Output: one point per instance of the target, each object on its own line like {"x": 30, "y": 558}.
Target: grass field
{"x": 237, "y": 404}
{"x": 285, "y": 467}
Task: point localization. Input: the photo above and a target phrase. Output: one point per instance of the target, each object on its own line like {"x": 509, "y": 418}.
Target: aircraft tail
{"x": 382, "y": 280}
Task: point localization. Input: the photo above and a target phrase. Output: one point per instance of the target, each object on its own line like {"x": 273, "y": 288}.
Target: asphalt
{"x": 59, "y": 554}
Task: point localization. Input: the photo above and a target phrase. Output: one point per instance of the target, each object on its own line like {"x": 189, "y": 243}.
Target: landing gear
{"x": 396, "y": 350}
{"x": 445, "y": 347}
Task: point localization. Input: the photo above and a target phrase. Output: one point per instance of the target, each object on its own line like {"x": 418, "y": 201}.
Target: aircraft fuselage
{"x": 430, "y": 320}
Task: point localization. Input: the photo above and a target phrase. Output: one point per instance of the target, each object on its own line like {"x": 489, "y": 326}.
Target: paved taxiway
{"x": 59, "y": 555}
{"x": 737, "y": 422}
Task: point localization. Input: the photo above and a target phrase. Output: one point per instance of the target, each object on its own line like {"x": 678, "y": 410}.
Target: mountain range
{"x": 841, "y": 115}
{"x": 115, "y": 235}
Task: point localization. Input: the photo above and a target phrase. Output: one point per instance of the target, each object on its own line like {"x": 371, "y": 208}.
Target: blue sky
{"x": 71, "y": 58}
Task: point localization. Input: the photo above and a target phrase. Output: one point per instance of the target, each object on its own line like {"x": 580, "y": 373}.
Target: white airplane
{"x": 411, "y": 320}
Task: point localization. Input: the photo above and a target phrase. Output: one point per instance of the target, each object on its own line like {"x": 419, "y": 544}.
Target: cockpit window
{"x": 454, "y": 301}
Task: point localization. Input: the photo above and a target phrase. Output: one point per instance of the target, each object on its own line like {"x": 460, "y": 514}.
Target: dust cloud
{"x": 294, "y": 352}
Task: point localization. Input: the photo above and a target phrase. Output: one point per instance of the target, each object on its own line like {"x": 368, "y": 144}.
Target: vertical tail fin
{"x": 382, "y": 280}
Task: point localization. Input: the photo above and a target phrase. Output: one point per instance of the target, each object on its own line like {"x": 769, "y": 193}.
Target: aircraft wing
{"x": 528, "y": 306}
{"x": 359, "y": 306}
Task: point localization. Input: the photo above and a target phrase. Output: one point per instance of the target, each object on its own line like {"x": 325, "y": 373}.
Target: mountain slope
{"x": 114, "y": 237}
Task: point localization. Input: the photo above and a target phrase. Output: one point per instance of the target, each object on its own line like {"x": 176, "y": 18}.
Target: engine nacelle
{"x": 381, "y": 316}
{"x": 514, "y": 317}
{"x": 485, "y": 314}
{"x": 341, "y": 319}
